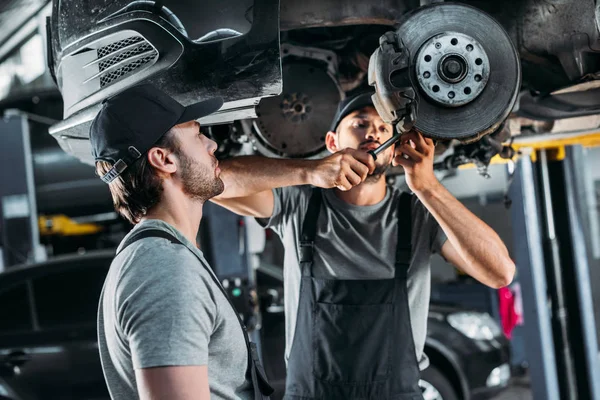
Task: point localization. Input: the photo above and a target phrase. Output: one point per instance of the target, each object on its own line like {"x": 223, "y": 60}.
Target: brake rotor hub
{"x": 452, "y": 69}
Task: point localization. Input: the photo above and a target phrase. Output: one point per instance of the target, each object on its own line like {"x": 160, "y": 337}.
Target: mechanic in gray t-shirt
{"x": 165, "y": 327}
{"x": 357, "y": 254}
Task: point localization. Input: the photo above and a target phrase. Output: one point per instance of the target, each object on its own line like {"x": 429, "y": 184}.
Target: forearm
{"x": 247, "y": 175}
{"x": 484, "y": 254}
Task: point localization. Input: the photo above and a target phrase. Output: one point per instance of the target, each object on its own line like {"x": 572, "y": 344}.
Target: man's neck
{"x": 179, "y": 211}
{"x": 367, "y": 193}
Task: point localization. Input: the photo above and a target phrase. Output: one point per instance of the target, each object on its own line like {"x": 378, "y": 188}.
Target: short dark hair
{"x": 138, "y": 188}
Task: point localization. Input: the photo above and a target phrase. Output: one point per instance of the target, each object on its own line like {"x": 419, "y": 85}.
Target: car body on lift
{"x": 48, "y": 341}
{"x": 282, "y": 65}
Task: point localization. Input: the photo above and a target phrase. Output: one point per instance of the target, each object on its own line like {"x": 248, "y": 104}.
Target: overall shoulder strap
{"x": 145, "y": 233}
{"x": 309, "y": 226}
{"x": 404, "y": 245}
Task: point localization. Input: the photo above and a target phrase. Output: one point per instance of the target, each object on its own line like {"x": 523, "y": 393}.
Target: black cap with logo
{"x": 131, "y": 122}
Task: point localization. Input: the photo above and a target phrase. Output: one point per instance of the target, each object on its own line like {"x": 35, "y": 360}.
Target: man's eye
{"x": 359, "y": 125}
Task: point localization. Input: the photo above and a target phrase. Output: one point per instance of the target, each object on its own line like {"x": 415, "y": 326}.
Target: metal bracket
{"x": 394, "y": 98}
{"x": 328, "y": 57}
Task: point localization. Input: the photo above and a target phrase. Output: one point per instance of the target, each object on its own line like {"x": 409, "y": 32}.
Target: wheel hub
{"x": 452, "y": 69}
{"x": 465, "y": 70}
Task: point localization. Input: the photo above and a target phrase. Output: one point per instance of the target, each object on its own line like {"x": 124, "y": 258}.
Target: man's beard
{"x": 199, "y": 182}
{"x": 381, "y": 165}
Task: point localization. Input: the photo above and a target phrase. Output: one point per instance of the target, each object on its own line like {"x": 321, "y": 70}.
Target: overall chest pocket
{"x": 351, "y": 344}
{"x": 353, "y": 324}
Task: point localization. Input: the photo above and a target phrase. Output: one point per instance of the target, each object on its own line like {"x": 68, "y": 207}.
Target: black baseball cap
{"x": 350, "y": 104}
{"x": 132, "y": 121}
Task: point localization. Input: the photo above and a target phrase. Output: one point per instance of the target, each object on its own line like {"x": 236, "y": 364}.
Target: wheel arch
{"x": 442, "y": 358}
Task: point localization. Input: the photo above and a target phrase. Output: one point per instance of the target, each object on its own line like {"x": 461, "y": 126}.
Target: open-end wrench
{"x": 385, "y": 145}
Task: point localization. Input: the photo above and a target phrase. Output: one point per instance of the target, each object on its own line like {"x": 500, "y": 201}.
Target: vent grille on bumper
{"x": 111, "y": 48}
{"x": 121, "y": 58}
{"x": 118, "y": 73}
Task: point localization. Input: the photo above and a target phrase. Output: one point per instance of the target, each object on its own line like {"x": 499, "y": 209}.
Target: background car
{"x": 48, "y": 344}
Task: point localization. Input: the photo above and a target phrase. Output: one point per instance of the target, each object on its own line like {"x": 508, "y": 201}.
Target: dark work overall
{"x": 255, "y": 371}
{"x": 353, "y": 338}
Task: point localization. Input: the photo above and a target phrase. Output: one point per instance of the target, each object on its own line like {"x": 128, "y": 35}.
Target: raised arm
{"x": 249, "y": 180}
{"x": 472, "y": 245}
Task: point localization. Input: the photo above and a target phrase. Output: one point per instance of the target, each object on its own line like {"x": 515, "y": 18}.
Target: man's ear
{"x": 330, "y": 142}
{"x": 163, "y": 161}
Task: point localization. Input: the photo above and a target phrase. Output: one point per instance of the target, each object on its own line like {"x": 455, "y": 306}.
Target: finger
{"x": 429, "y": 146}
{"x": 357, "y": 161}
{"x": 421, "y": 142}
{"x": 343, "y": 184}
{"x": 414, "y": 154}
{"x": 408, "y": 136}
{"x": 360, "y": 169}
{"x": 365, "y": 158}
{"x": 418, "y": 140}
{"x": 398, "y": 149}
{"x": 353, "y": 177}
{"x": 404, "y": 162}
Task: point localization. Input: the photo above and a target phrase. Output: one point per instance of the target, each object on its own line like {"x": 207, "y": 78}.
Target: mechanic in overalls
{"x": 357, "y": 254}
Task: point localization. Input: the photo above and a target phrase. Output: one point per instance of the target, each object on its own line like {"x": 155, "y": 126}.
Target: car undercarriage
{"x": 499, "y": 70}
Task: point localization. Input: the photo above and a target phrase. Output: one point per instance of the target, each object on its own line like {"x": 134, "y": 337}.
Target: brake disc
{"x": 465, "y": 70}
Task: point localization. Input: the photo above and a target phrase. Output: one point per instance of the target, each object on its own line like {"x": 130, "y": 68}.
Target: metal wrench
{"x": 385, "y": 145}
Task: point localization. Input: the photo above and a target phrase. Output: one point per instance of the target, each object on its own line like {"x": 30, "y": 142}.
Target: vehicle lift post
{"x": 19, "y": 231}
{"x": 551, "y": 254}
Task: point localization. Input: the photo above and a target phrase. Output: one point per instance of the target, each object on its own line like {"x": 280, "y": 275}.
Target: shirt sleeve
{"x": 166, "y": 312}
{"x": 438, "y": 237}
{"x": 287, "y": 201}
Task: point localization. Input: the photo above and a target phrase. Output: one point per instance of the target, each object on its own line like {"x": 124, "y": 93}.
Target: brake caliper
{"x": 394, "y": 97}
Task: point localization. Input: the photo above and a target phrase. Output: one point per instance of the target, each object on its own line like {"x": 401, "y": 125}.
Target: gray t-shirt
{"x": 160, "y": 307}
{"x": 356, "y": 242}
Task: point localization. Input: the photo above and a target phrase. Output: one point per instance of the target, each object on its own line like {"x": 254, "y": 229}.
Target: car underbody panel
{"x": 281, "y": 66}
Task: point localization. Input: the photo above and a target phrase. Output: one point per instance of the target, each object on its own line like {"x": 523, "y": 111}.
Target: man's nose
{"x": 373, "y": 133}
{"x": 212, "y": 146}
